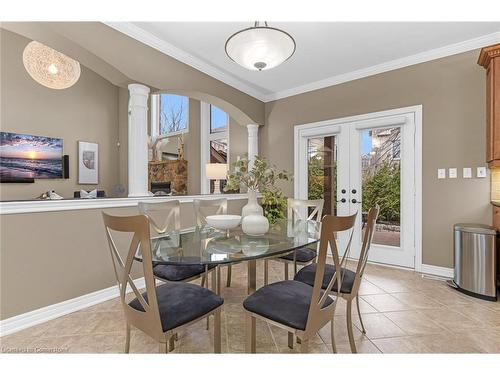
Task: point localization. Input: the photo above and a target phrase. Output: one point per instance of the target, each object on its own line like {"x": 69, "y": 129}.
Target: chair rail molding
{"x": 22, "y": 207}
{"x": 138, "y": 140}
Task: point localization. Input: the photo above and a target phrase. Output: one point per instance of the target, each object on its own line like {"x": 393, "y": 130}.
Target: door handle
{"x": 355, "y": 201}
{"x": 343, "y": 200}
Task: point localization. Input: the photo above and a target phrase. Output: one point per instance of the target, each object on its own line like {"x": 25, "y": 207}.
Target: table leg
{"x": 252, "y": 276}
{"x": 218, "y": 280}
{"x": 213, "y": 279}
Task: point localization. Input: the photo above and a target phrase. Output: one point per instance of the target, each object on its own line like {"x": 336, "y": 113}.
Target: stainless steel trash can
{"x": 476, "y": 260}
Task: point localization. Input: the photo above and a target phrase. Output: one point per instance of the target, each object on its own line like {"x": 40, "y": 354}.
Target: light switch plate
{"x": 441, "y": 173}
{"x": 481, "y": 172}
{"x": 452, "y": 173}
{"x": 467, "y": 173}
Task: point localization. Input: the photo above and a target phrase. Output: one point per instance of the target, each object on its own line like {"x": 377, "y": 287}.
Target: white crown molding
{"x": 151, "y": 40}
{"x": 44, "y": 314}
{"x": 418, "y": 58}
{"x": 135, "y": 32}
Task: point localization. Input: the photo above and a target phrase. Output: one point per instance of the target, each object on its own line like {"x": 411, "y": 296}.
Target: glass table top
{"x": 206, "y": 245}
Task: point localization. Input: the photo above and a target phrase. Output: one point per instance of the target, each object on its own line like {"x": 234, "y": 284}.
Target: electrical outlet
{"x": 452, "y": 173}
{"x": 441, "y": 173}
{"x": 467, "y": 173}
{"x": 481, "y": 172}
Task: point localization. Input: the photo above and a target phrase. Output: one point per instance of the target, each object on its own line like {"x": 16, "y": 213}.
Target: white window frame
{"x": 155, "y": 118}
{"x": 205, "y": 137}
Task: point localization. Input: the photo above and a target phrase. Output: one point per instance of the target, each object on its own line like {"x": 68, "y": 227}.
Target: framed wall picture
{"x": 88, "y": 163}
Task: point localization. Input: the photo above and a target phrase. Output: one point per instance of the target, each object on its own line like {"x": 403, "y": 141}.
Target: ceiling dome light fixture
{"x": 260, "y": 47}
{"x": 49, "y": 67}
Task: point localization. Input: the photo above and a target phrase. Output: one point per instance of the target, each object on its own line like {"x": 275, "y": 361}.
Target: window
{"x": 172, "y": 114}
{"x": 219, "y": 120}
{"x": 218, "y": 151}
{"x": 214, "y": 141}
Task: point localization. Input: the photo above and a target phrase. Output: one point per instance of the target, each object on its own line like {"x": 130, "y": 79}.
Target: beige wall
{"x": 65, "y": 256}
{"x": 452, "y": 92}
{"x": 87, "y": 111}
{"x": 109, "y": 51}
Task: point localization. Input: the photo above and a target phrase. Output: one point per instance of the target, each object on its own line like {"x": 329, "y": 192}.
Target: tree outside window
{"x": 173, "y": 114}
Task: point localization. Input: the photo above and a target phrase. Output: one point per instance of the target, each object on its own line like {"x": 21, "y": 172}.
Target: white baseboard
{"x": 437, "y": 271}
{"x": 428, "y": 269}
{"x": 44, "y": 314}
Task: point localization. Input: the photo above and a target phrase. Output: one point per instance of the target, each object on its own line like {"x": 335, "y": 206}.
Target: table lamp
{"x": 217, "y": 172}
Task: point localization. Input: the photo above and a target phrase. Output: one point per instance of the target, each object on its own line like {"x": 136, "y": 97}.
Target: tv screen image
{"x": 30, "y": 156}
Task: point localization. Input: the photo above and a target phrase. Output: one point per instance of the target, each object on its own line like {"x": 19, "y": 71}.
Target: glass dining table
{"x": 210, "y": 246}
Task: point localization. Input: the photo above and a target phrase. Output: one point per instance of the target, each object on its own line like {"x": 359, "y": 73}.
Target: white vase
{"x": 252, "y": 207}
{"x": 255, "y": 225}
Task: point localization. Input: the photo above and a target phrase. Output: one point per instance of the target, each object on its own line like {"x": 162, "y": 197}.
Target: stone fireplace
{"x": 173, "y": 172}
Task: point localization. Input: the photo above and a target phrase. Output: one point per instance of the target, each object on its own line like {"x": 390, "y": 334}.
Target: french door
{"x": 357, "y": 162}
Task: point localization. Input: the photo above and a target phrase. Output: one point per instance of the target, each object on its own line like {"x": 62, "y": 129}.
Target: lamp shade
{"x": 260, "y": 47}
{"x": 49, "y": 67}
{"x": 216, "y": 171}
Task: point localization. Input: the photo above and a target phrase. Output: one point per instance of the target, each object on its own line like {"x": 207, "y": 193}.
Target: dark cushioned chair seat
{"x": 303, "y": 255}
{"x": 181, "y": 303}
{"x": 285, "y": 302}
{"x": 307, "y": 274}
{"x": 179, "y": 273}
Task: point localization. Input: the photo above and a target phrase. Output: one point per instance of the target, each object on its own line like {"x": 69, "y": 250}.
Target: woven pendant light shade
{"x": 49, "y": 67}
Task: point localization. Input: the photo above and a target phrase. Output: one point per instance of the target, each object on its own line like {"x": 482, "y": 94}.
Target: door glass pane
{"x": 322, "y": 172}
{"x": 381, "y": 176}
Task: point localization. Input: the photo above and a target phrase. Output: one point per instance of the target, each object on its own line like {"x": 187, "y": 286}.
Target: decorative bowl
{"x": 223, "y": 221}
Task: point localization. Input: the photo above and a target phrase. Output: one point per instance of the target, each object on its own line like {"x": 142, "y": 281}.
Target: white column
{"x": 138, "y": 140}
{"x": 253, "y": 142}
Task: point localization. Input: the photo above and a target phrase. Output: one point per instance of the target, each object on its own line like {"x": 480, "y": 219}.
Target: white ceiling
{"x": 327, "y": 52}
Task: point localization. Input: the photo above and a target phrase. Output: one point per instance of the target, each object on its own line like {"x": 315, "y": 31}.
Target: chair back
{"x": 206, "y": 207}
{"x": 331, "y": 226}
{"x": 297, "y": 209}
{"x": 365, "y": 247}
{"x": 138, "y": 226}
{"x": 163, "y": 216}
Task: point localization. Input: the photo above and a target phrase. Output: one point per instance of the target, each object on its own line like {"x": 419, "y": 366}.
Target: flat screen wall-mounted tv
{"x": 24, "y": 157}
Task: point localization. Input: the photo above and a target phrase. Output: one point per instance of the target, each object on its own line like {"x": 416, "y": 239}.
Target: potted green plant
{"x": 261, "y": 177}
{"x": 274, "y": 203}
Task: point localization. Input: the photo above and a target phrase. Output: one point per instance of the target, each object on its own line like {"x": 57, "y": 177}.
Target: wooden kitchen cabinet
{"x": 489, "y": 58}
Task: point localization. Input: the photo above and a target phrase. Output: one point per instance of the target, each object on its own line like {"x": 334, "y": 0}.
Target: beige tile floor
{"x": 402, "y": 313}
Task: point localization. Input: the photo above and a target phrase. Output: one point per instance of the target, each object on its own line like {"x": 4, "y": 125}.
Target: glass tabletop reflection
{"x": 207, "y": 245}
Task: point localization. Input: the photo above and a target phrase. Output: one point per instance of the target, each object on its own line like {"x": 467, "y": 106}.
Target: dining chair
{"x": 161, "y": 311}
{"x": 205, "y": 207}
{"x": 299, "y": 308}
{"x": 298, "y": 209}
{"x": 351, "y": 279}
{"x": 164, "y": 217}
